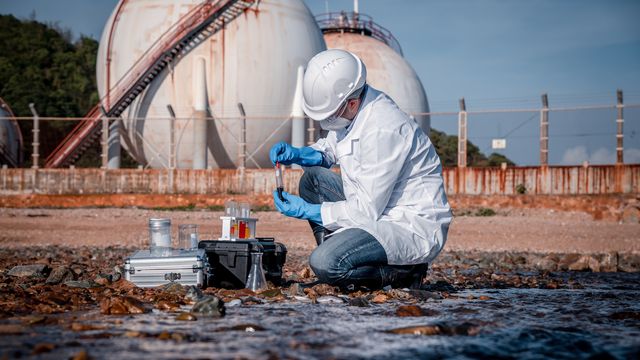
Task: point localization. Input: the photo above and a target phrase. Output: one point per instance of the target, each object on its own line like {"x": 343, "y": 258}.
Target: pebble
{"x": 185, "y": 316}
{"x": 359, "y": 301}
{"x": 234, "y": 303}
{"x": 210, "y": 306}
{"x": 329, "y": 300}
{"x": 35, "y": 270}
{"x": 193, "y": 294}
{"x": 303, "y": 299}
{"x": 82, "y": 284}
{"x": 409, "y": 310}
{"x": 59, "y": 275}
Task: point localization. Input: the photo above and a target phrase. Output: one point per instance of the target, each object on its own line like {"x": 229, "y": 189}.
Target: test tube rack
{"x": 231, "y": 228}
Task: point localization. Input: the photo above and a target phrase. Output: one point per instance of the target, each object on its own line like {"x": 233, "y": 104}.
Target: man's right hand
{"x": 286, "y": 154}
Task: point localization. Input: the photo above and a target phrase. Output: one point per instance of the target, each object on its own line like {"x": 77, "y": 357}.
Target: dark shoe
{"x": 319, "y": 235}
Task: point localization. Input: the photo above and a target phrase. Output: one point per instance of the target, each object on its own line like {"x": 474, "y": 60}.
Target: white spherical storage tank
{"x": 253, "y": 60}
{"x": 10, "y": 138}
{"x": 387, "y": 69}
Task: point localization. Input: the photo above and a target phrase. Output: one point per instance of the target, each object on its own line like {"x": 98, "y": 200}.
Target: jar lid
{"x": 159, "y": 222}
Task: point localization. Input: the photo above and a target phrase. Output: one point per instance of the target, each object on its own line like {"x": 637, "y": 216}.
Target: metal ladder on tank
{"x": 197, "y": 25}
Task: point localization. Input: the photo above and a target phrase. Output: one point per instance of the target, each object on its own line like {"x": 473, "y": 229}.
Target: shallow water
{"x": 602, "y": 320}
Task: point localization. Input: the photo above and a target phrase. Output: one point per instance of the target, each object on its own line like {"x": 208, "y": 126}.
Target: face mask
{"x": 334, "y": 123}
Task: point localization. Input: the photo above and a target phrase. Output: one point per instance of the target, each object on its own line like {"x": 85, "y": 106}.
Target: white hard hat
{"x": 331, "y": 77}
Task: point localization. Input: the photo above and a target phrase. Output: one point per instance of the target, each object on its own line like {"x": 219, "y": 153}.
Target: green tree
{"x": 447, "y": 148}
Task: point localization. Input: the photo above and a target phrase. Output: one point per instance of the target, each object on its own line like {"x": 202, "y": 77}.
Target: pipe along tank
{"x": 255, "y": 60}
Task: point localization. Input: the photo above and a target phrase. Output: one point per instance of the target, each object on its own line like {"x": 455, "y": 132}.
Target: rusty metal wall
{"x": 556, "y": 180}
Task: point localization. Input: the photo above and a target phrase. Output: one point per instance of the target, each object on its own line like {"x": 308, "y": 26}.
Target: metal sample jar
{"x": 160, "y": 237}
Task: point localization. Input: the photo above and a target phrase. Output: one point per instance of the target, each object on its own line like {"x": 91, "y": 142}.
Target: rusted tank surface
{"x": 11, "y": 153}
{"x": 387, "y": 69}
{"x": 253, "y": 61}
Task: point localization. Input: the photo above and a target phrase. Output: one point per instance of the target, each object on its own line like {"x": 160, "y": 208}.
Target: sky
{"x": 496, "y": 54}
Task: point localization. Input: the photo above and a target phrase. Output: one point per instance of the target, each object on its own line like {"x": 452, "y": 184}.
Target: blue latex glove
{"x": 295, "y": 206}
{"x": 286, "y": 154}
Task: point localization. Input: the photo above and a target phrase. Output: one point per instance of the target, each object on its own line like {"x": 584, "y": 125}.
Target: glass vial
{"x": 256, "y": 280}
{"x": 188, "y": 236}
{"x": 160, "y": 237}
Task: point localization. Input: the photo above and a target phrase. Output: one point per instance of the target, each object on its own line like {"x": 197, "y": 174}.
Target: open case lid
{"x": 177, "y": 259}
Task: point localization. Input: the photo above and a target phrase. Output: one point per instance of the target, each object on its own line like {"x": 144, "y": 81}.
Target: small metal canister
{"x": 160, "y": 237}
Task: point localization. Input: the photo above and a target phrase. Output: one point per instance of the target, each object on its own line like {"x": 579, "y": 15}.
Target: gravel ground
{"x": 535, "y": 230}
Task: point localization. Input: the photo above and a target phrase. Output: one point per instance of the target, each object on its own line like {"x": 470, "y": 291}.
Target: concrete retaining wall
{"x": 560, "y": 180}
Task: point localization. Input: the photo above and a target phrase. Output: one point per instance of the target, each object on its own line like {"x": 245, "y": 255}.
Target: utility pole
{"x": 36, "y": 136}
{"x": 462, "y": 135}
{"x": 544, "y": 131}
{"x": 620, "y": 133}
{"x": 242, "y": 146}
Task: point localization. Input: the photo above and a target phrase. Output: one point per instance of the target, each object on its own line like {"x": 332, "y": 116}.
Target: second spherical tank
{"x": 387, "y": 69}
{"x": 253, "y": 61}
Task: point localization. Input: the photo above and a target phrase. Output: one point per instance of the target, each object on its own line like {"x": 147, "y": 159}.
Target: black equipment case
{"x": 230, "y": 261}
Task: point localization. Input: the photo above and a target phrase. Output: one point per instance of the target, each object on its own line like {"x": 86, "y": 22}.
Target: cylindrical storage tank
{"x": 10, "y": 138}
{"x": 254, "y": 60}
{"x": 387, "y": 69}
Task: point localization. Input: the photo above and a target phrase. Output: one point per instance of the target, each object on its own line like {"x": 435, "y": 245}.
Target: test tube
{"x": 279, "y": 183}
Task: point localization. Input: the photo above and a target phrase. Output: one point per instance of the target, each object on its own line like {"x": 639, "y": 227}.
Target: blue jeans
{"x": 352, "y": 257}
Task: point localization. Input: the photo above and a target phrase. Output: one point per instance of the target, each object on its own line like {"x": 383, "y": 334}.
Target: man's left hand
{"x": 295, "y": 206}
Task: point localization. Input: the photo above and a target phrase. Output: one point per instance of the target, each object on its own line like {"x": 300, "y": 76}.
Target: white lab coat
{"x": 392, "y": 181}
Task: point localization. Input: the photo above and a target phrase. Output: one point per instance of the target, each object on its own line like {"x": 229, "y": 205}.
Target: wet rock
{"x": 59, "y": 275}
{"x": 167, "y": 306}
{"x": 547, "y": 263}
{"x": 34, "y": 320}
{"x": 424, "y": 295}
{"x": 82, "y": 284}
{"x": 81, "y": 355}
{"x": 440, "y": 285}
{"x": 623, "y": 315}
{"x": 85, "y": 327}
{"x": 585, "y": 263}
{"x": 629, "y": 262}
{"x": 360, "y": 301}
{"x": 12, "y": 329}
{"x": 122, "y": 305}
{"x": 234, "y": 303}
{"x": 272, "y": 293}
{"x": 185, "y": 316}
{"x": 295, "y": 290}
{"x": 174, "y": 289}
{"x": 247, "y": 328}
{"x": 465, "y": 329}
{"x": 103, "y": 279}
{"x": 329, "y": 300}
{"x": 35, "y": 270}
{"x": 193, "y": 294}
{"x": 42, "y": 348}
{"x": 252, "y": 300}
{"x": 325, "y": 289}
{"x": 410, "y": 310}
{"x": 380, "y": 298}
{"x": 609, "y": 262}
{"x": 209, "y": 306}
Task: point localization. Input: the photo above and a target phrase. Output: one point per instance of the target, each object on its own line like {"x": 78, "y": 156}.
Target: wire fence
{"x": 578, "y": 135}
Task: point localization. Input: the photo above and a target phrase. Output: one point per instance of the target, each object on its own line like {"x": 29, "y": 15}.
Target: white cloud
{"x": 603, "y": 156}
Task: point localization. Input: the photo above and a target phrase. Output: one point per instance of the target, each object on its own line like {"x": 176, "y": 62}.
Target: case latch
{"x": 172, "y": 276}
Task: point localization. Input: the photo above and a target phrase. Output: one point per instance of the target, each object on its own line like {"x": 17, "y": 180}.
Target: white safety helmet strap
{"x": 332, "y": 77}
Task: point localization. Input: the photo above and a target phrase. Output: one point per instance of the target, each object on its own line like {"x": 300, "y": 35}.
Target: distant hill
{"x": 41, "y": 63}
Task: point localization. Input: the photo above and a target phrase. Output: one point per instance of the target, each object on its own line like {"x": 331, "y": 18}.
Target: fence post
{"x": 36, "y": 136}
{"x": 620, "y": 134}
{"x": 105, "y": 138}
{"x": 544, "y": 131}
{"x": 462, "y": 135}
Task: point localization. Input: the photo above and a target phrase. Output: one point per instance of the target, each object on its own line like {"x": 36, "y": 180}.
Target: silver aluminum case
{"x": 185, "y": 267}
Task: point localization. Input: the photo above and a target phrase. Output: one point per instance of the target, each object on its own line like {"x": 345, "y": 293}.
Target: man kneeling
{"x": 386, "y": 216}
